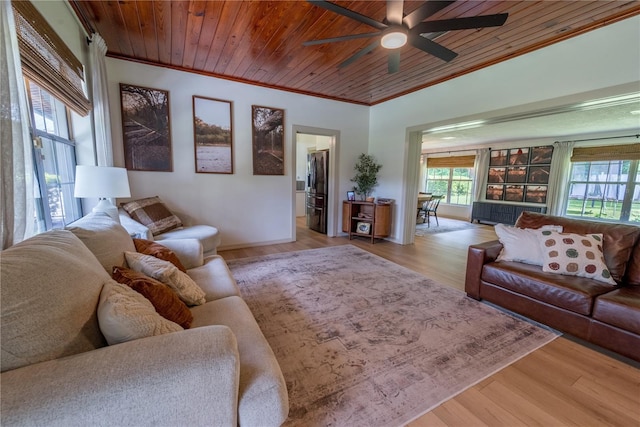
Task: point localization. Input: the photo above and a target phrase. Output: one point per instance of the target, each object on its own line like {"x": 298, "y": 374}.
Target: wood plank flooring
{"x": 561, "y": 384}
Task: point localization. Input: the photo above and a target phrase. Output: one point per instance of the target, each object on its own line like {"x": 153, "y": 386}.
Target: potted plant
{"x": 366, "y": 175}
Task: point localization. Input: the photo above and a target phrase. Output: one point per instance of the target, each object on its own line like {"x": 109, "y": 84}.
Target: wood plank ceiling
{"x": 260, "y": 42}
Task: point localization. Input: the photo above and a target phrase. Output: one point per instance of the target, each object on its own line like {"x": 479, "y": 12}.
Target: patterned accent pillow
{"x": 154, "y": 249}
{"x": 152, "y": 213}
{"x": 574, "y": 255}
{"x": 125, "y": 315}
{"x": 183, "y": 285}
{"x": 164, "y": 300}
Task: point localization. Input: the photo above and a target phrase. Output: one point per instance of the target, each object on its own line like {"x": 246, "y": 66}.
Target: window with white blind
{"x": 605, "y": 183}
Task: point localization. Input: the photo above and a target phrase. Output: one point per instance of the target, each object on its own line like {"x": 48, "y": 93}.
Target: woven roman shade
{"x": 47, "y": 60}
{"x": 609, "y": 152}
{"x": 451, "y": 162}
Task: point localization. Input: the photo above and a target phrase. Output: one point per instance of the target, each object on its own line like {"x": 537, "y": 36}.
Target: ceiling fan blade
{"x": 340, "y": 39}
{"x": 395, "y": 9}
{"x": 348, "y": 13}
{"x": 423, "y": 12}
{"x": 359, "y": 54}
{"x": 431, "y": 47}
{"x": 461, "y": 23}
{"x": 393, "y": 65}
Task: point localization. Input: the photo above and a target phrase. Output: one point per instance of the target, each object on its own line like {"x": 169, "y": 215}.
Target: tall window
{"x": 607, "y": 190}
{"x": 451, "y": 177}
{"x": 54, "y": 161}
{"x": 455, "y": 184}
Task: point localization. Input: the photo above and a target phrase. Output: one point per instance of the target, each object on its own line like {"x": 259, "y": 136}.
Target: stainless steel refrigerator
{"x": 317, "y": 190}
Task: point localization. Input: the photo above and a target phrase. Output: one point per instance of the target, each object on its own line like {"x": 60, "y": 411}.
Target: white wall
{"x": 600, "y": 59}
{"x": 249, "y": 210}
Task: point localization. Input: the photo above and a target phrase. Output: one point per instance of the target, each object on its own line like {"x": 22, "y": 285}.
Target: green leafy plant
{"x": 366, "y": 175}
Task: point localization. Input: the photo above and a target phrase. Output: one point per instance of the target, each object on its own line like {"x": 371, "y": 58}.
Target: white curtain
{"x": 16, "y": 214}
{"x": 480, "y": 170}
{"x": 559, "y": 177}
{"x": 422, "y": 186}
{"x": 100, "y": 97}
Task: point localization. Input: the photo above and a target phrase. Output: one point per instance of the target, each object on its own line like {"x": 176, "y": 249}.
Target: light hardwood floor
{"x": 563, "y": 383}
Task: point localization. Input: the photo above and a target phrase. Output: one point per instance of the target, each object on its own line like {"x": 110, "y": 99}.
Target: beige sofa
{"x": 58, "y": 370}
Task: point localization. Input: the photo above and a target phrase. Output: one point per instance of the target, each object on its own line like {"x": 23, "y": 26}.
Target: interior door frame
{"x": 332, "y": 202}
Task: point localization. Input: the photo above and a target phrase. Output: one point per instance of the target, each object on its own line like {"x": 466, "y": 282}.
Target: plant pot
{"x": 370, "y": 199}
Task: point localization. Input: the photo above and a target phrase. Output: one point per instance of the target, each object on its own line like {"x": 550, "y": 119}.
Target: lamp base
{"x": 107, "y": 207}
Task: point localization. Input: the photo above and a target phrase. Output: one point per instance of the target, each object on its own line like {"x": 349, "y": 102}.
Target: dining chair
{"x": 431, "y": 208}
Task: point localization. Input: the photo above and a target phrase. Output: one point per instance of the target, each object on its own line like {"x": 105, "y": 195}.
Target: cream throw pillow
{"x": 521, "y": 244}
{"x": 574, "y": 255}
{"x": 125, "y": 315}
{"x": 183, "y": 285}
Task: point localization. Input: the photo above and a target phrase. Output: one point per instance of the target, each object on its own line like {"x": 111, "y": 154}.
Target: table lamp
{"x": 102, "y": 182}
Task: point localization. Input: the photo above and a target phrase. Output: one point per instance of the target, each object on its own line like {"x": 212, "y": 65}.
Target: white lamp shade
{"x": 101, "y": 181}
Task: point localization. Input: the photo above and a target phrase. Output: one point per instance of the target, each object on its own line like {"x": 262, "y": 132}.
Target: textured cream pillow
{"x": 521, "y": 244}
{"x": 574, "y": 255}
{"x": 125, "y": 315}
{"x": 167, "y": 273}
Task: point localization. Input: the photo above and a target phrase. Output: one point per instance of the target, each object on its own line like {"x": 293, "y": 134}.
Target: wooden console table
{"x": 366, "y": 219}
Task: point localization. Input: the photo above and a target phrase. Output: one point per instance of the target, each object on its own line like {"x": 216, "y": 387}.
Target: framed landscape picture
{"x": 497, "y": 175}
{"x": 514, "y": 193}
{"x": 498, "y": 158}
{"x": 146, "y": 131}
{"x": 213, "y": 135}
{"x": 268, "y": 140}
{"x": 519, "y": 156}
{"x": 495, "y": 192}
{"x": 539, "y": 174}
{"x": 541, "y": 155}
{"x": 517, "y": 174}
{"x": 536, "y": 194}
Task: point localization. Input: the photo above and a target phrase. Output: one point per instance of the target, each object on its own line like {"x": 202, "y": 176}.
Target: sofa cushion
{"x": 126, "y": 315}
{"x": 574, "y": 255}
{"x": 214, "y": 278}
{"x": 263, "y": 399}
{"x": 164, "y": 300}
{"x": 105, "y": 238}
{"x": 619, "y": 239}
{"x": 153, "y": 213}
{"x": 159, "y": 251}
{"x": 620, "y": 308}
{"x": 183, "y": 285}
{"x": 569, "y": 292}
{"x": 51, "y": 286}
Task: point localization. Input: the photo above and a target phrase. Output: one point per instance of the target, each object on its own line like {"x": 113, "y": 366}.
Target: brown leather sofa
{"x": 585, "y": 308}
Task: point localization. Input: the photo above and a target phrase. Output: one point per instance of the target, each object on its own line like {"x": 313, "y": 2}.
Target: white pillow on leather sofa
{"x": 521, "y": 244}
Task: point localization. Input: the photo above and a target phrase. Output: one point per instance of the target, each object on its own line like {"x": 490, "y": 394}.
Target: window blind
{"x": 46, "y": 60}
{"x": 609, "y": 152}
{"x": 451, "y": 162}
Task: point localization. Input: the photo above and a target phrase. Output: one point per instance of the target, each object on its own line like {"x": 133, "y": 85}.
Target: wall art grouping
{"x": 519, "y": 174}
{"x": 147, "y": 133}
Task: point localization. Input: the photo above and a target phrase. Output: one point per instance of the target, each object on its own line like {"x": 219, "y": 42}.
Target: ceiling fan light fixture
{"x": 394, "y": 38}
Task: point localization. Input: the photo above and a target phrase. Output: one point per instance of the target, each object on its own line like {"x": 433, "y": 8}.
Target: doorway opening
{"x": 315, "y": 151}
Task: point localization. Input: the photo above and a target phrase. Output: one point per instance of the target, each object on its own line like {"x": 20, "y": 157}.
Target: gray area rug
{"x": 363, "y": 341}
{"x": 445, "y": 225}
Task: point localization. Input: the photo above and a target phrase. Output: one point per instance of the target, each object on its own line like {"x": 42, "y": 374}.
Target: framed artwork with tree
{"x": 146, "y": 128}
{"x": 268, "y": 140}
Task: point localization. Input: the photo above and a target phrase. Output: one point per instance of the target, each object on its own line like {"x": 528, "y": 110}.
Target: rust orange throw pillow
{"x": 154, "y": 249}
{"x": 164, "y": 300}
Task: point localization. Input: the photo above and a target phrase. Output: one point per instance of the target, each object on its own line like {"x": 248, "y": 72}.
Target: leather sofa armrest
{"x": 477, "y": 256}
{"x": 182, "y": 378}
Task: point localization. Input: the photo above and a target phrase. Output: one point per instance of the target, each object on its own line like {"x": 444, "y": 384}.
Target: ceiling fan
{"x": 397, "y": 29}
